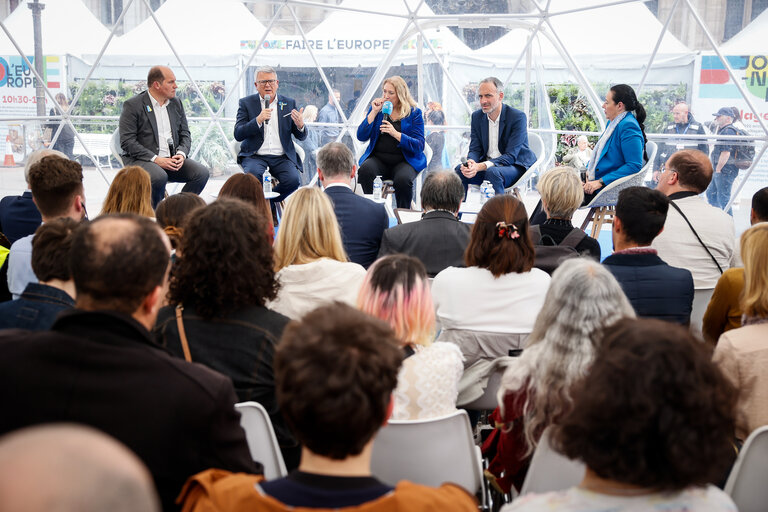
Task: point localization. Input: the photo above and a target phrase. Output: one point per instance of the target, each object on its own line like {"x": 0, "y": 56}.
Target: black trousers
{"x": 389, "y": 167}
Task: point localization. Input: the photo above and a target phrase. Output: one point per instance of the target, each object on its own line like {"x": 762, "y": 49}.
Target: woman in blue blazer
{"x": 396, "y": 148}
{"x": 620, "y": 151}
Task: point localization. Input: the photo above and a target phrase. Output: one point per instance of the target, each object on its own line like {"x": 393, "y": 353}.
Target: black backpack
{"x": 743, "y": 155}
{"x": 549, "y": 257}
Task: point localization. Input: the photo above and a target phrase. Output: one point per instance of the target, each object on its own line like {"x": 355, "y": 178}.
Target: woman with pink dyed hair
{"x": 396, "y": 290}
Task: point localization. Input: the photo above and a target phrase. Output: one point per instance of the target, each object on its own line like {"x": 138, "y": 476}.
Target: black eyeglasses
{"x": 266, "y": 82}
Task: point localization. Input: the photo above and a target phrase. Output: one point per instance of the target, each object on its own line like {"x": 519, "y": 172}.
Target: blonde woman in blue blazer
{"x": 620, "y": 151}
{"x": 396, "y": 148}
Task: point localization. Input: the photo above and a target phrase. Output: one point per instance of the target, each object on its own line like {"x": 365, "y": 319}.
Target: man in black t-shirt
{"x": 719, "y": 191}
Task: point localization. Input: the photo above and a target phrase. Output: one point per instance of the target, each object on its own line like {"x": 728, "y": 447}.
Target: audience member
{"x": 489, "y": 307}
{"x": 578, "y": 156}
{"x": 361, "y": 220}
{"x": 561, "y": 195}
{"x": 312, "y": 266}
{"x": 696, "y": 236}
{"x": 724, "y": 311}
{"x": 439, "y": 239}
{"x": 498, "y": 148}
{"x": 130, "y": 192}
{"x": 742, "y": 353}
{"x": 247, "y": 187}
{"x": 336, "y": 370}
{"x": 99, "y": 365}
{"x": 655, "y": 289}
{"x": 653, "y": 423}
{"x": 19, "y": 215}
{"x": 216, "y": 314}
{"x": 396, "y": 290}
{"x": 172, "y": 214}
{"x": 57, "y": 188}
{"x": 40, "y": 304}
{"x": 395, "y": 141}
{"x": 267, "y": 142}
{"x": 72, "y": 468}
{"x": 536, "y": 390}
{"x": 154, "y": 135}
{"x": 330, "y": 114}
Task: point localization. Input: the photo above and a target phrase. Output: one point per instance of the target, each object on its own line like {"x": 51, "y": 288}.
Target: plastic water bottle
{"x": 267, "y": 183}
{"x": 377, "y": 185}
{"x": 489, "y": 192}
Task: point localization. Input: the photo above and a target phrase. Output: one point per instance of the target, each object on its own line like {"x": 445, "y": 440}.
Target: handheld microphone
{"x": 386, "y": 109}
{"x": 170, "y": 146}
{"x": 464, "y": 161}
{"x": 267, "y": 100}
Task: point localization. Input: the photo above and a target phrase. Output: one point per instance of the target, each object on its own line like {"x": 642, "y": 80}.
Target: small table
{"x": 271, "y": 195}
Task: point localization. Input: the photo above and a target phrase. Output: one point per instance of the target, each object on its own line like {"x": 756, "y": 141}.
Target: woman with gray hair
{"x": 579, "y": 155}
{"x": 561, "y": 195}
{"x": 535, "y": 391}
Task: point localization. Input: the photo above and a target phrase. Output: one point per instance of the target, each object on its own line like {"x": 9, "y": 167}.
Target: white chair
{"x": 603, "y": 206}
{"x": 536, "y": 144}
{"x": 115, "y": 149}
{"x": 550, "y": 471}
{"x": 420, "y": 177}
{"x": 746, "y": 483}
{"x": 429, "y": 452}
{"x": 262, "y": 442}
{"x": 488, "y": 401}
{"x": 700, "y": 302}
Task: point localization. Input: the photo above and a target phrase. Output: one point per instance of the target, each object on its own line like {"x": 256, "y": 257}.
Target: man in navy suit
{"x": 361, "y": 220}
{"x": 265, "y": 132}
{"x": 498, "y": 147}
{"x": 154, "y": 135}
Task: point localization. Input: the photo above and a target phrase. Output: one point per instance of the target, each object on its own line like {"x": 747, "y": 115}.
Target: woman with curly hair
{"x": 130, "y": 192}
{"x": 172, "y": 213}
{"x": 246, "y": 187}
{"x": 312, "y": 266}
{"x": 217, "y": 314}
{"x": 396, "y": 290}
{"x": 653, "y": 423}
{"x": 489, "y": 307}
{"x": 535, "y": 391}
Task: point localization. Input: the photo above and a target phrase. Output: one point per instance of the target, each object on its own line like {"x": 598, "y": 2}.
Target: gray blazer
{"x": 138, "y": 127}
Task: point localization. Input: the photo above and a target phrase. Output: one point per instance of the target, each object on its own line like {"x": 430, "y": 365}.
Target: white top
{"x": 163, "y": 126}
{"x": 678, "y": 246}
{"x": 472, "y": 299}
{"x": 271, "y": 145}
{"x": 311, "y": 285}
{"x": 493, "y": 140}
{"x": 427, "y": 385}
{"x": 704, "y": 499}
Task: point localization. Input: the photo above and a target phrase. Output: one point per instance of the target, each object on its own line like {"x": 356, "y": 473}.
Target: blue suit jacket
{"x": 655, "y": 289}
{"x": 411, "y": 140}
{"x": 623, "y": 154}
{"x": 19, "y": 216}
{"x": 362, "y": 224}
{"x": 513, "y": 139}
{"x": 247, "y": 129}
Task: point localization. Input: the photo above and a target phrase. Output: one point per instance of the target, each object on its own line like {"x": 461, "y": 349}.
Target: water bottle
{"x": 267, "y": 183}
{"x": 484, "y": 191}
{"x": 488, "y": 193}
{"x": 377, "y": 185}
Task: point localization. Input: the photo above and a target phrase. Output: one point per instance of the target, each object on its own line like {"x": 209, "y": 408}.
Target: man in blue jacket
{"x": 361, "y": 220}
{"x": 655, "y": 289}
{"x": 265, "y": 130}
{"x": 498, "y": 147}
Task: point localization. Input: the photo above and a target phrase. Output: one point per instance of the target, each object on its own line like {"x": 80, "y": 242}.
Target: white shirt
{"x": 163, "y": 127}
{"x": 493, "y": 140}
{"x": 271, "y": 145}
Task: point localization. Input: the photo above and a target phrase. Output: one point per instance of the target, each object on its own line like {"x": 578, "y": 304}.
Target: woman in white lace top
{"x": 396, "y": 290}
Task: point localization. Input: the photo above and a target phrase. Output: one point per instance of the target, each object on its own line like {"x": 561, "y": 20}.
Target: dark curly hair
{"x": 226, "y": 260}
{"x": 173, "y": 211}
{"x": 500, "y": 254}
{"x": 654, "y": 410}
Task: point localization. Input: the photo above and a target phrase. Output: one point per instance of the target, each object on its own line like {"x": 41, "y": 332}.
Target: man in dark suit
{"x": 265, "y": 131}
{"x": 99, "y": 365}
{"x": 498, "y": 147}
{"x": 154, "y": 135}
{"x": 438, "y": 239}
{"x": 361, "y": 220}
{"x": 654, "y": 288}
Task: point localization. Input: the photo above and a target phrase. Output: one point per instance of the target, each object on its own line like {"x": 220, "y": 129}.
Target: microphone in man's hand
{"x": 267, "y": 100}
{"x": 387, "y": 109}
{"x": 463, "y": 161}
{"x": 170, "y": 146}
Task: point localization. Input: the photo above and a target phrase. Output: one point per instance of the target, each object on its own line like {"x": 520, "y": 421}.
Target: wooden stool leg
{"x": 588, "y": 218}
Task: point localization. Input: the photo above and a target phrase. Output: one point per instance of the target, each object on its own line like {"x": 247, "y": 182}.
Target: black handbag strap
{"x": 697, "y": 235}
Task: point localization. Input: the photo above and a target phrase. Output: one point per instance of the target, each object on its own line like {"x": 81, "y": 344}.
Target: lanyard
{"x": 686, "y": 129}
